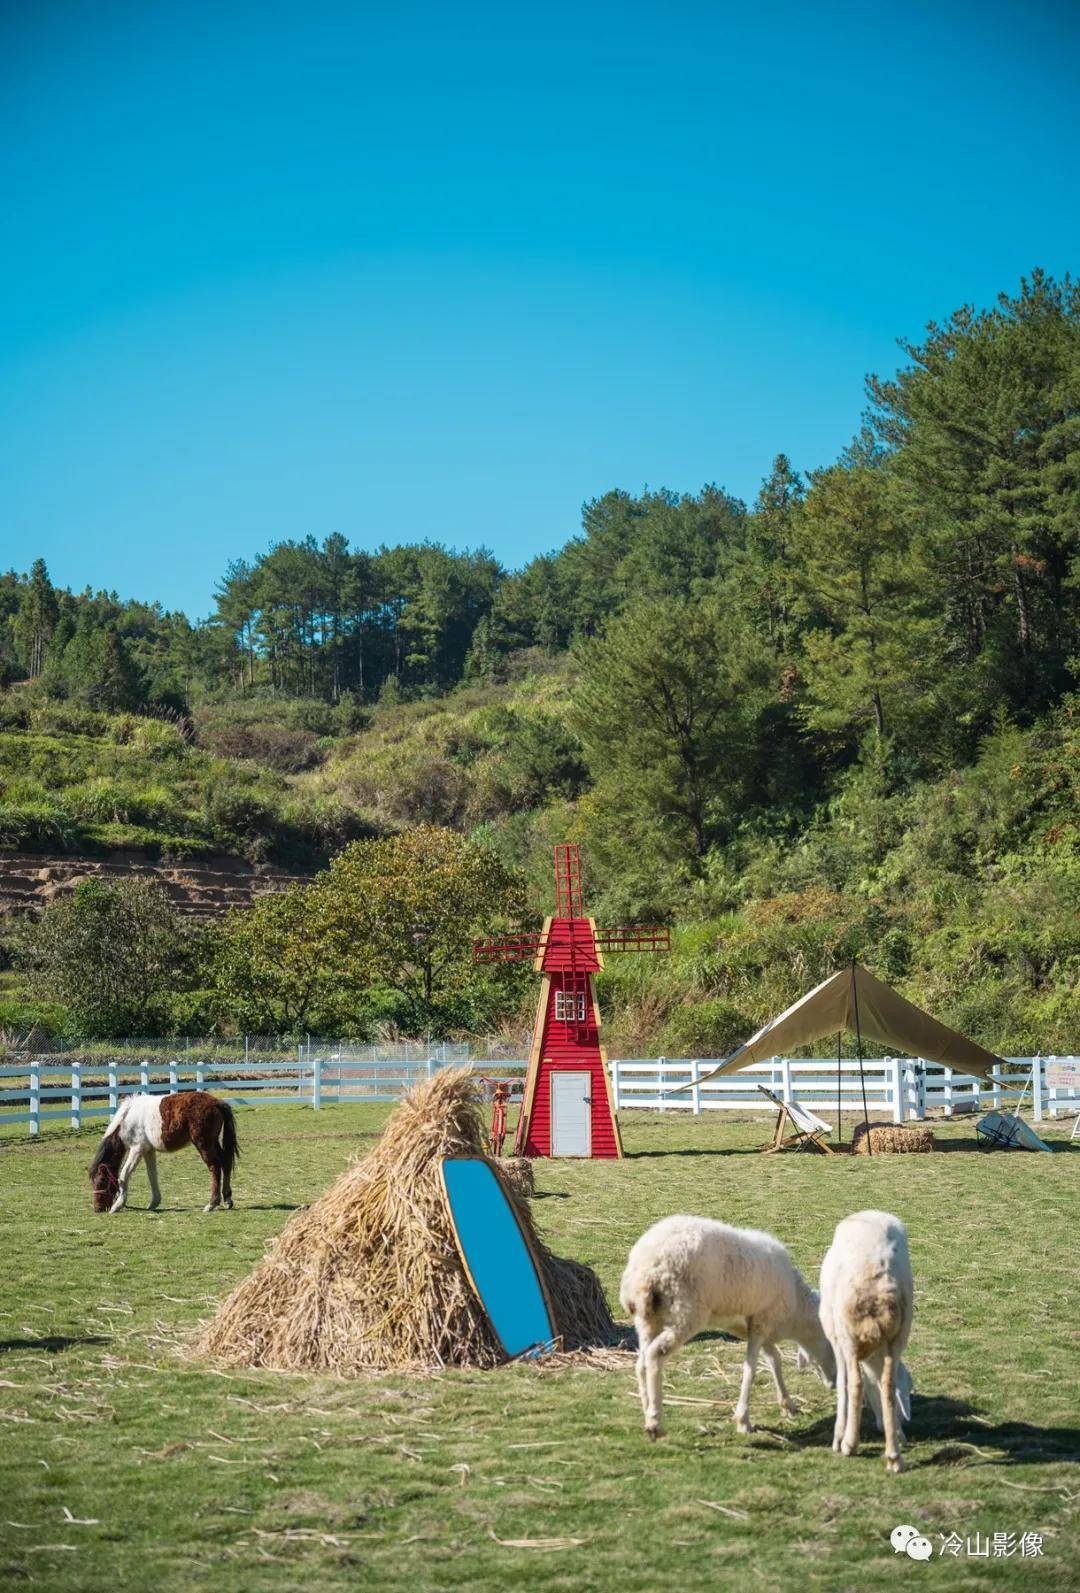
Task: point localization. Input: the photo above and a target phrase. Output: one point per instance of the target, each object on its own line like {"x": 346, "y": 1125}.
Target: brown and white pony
{"x": 145, "y": 1124}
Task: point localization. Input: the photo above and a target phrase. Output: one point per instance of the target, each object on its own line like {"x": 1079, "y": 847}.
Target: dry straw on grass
{"x": 517, "y": 1174}
{"x": 369, "y": 1278}
{"x": 891, "y": 1139}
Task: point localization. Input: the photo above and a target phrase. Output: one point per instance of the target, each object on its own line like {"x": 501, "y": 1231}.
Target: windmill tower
{"x": 567, "y": 1109}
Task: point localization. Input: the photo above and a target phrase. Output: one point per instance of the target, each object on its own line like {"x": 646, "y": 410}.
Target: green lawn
{"x": 129, "y": 1466}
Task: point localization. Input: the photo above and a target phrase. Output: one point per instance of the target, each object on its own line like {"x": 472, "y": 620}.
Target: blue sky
{"x": 449, "y": 271}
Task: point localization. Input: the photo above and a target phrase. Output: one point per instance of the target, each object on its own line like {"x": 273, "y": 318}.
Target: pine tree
{"x": 986, "y": 453}
{"x": 868, "y": 657}
{"x": 112, "y": 682}
{"x": 767, "y": 573}
{"x": 36, "y": 619}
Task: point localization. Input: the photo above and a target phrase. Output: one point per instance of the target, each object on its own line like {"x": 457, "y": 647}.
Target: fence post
{"x": 948, "y": 1092}
{"x": 173, "y": 1081}
{"x": 76, "y": 1095}
{"x": 114, "y": 1087}
{"x": 995, "y": 1079}
{"x": 785, "y": 1078}
{"x": 1037, "y": 1086}
{"x": 920, "y": 1099}
{"x": 897, "y": 1084}
{"x": 661, "y": 1081}
{"x": 695, "y": 1093}
{"x": 144, "y": 1076}
{"x": 316, "y": 1077}
{"x": 200, "y": 1071}
{"x": 35, "y": 1096}
{"x": 616, "y": 1079}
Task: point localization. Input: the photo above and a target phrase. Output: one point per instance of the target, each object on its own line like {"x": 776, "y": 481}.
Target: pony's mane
{"x": 109, "y": 1151}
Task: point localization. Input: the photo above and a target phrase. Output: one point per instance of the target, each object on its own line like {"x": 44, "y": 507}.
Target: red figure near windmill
{"x": 567, "y": 1109}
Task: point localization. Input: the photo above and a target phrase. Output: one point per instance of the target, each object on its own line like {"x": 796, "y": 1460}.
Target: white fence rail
{"x": 900, "y": 1087}
{"x": 78, "y": 1088}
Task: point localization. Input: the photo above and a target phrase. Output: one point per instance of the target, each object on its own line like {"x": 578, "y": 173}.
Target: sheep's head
{"x": 814, "y": 1346}
{"x": 821, "y": 1357}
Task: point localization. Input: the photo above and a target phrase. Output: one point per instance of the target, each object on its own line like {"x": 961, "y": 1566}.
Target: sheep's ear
{"x": 802, "y": 1360}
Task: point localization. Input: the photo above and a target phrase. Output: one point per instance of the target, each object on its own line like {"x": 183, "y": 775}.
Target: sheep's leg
{"x": 151, "y": 1171}
{"x": 841, "y": 1401}
{"x": 662, "y": 1345}
{"x": 127, "y": 1167}
{"x": 773, "y": 1362}
{"x": 742, "y": 1408}
{"x": 850, "y": 1441}
{"x": 893, "y": 1459}
{"x": 873, "y": 1388}
{"x": 639, "y": 1365}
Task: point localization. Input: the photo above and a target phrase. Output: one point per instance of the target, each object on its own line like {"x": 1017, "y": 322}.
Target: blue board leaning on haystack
{"x": 497, "y": 1257}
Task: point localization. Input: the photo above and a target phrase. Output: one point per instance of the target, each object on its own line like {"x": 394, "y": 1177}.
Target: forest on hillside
{"x": 838, "y": 720}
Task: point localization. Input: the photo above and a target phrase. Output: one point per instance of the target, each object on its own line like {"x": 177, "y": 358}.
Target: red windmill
{"x": 567, "y": 1109}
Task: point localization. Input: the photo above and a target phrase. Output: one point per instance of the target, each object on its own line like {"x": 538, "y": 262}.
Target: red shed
{"x": 567, "y": 1109}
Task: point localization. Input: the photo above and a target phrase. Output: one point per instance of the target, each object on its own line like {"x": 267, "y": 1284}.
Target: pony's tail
{"x": 230, "y": 1145}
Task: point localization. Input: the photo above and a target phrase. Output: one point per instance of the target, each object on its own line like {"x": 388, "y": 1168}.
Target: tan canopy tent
{"x": 854, "y": 1001}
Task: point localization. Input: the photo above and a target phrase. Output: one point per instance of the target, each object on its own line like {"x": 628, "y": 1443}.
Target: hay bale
{"x": 891, "y": 1139}
{"x": 516, "y": 1173}
{"x": 369, "y": 1277}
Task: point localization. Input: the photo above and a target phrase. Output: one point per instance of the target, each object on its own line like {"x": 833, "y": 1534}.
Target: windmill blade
{"x": 511, "y": 948}
{"x": 634, "y": 937}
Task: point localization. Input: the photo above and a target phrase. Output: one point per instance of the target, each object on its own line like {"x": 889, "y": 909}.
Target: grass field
{"x": 127, "y": 1465}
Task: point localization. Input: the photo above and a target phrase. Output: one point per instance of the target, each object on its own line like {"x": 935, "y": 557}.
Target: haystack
{"x": 891, "y": 1139}
{"x": 369, "y": 1278}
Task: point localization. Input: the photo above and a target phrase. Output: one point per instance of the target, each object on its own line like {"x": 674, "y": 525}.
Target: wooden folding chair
{"x": 807, "y": 1131}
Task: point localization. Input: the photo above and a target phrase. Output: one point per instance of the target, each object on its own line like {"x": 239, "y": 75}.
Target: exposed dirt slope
{"x": 203, "y": 889}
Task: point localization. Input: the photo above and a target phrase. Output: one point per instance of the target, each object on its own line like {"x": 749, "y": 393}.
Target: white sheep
{"x": 866, "y": 1309}
{"x": 689, "y": 1273}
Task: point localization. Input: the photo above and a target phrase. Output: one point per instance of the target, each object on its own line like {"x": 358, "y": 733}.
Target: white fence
{"x": 79, "y": 1087}
{"x": 82, "y": 1086}
{"x": 902, "y": 1088}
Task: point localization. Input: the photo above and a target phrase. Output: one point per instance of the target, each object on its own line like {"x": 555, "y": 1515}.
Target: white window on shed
{"x": 570, "y": 1006}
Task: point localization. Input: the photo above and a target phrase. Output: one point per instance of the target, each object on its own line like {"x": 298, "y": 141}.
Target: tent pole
{"x": 839, "y": 1095}
{"x": 862, "y": 1074}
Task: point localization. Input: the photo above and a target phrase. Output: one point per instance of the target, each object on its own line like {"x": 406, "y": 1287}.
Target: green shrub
{"x": 238, "y": 816}
{"x": 113, "y": 952}
{"x": 33, "y": 826}
{"x": 19, "y": 1014}
{"x": 709, "y": 1028}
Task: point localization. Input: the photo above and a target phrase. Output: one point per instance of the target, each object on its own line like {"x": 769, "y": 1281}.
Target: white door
{"x": 571, "y": 1111}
